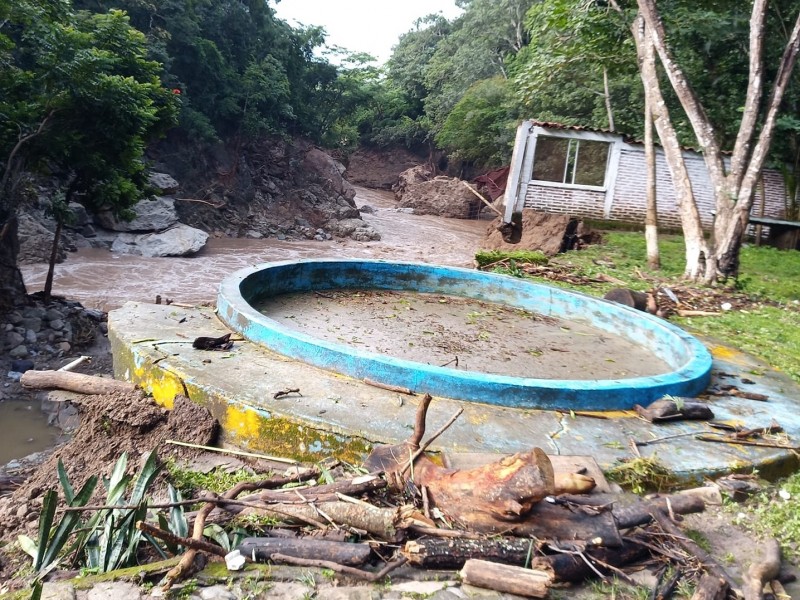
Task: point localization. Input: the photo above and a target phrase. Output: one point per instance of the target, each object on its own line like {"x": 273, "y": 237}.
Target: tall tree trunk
{"x": 607, "y": 98}
{"x": 651, "y": 218}
{"x": 733, "y": 191}
{"x": 12, "y": 287}
{"x": 48, "y": 283}
{"x": 697, "y": 250}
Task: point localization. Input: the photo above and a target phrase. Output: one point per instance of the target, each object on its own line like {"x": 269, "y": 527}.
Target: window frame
{"x": 583, "y": 137}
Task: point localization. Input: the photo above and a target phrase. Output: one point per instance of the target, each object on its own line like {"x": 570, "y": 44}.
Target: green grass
{"x": 770, "y": 333}
{"x": 771, "y": 513}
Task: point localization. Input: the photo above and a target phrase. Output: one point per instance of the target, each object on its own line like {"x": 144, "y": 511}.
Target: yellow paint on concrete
{"x": 163, "y": 385}
{"x": 726, "y": 353}
{"x": 241, "y": 422}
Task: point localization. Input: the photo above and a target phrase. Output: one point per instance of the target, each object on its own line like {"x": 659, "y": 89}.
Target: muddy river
{"x": 100, "y": 279}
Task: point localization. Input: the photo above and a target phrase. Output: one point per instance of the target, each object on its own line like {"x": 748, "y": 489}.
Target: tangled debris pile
{"x": 516, "y": 525}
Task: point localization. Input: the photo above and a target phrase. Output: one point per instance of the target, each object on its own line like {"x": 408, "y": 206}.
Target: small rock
{"x": 116, "y": 590}
{"x": 21, "y": 366}
{"x": 53, "y": 314}
{"x": 14, "y": 318}
{"x": 164, "y": 183}
{"x": 58, "y": 591}
{"x": 57, "y": 324}
{"x": 35, "y": 312}
{"x": 32, "y": 324}
{"x": 22, "y": 510}
{"x": 64, "y": 346}
{"x": 30, "y": 336}
{"x": 19, "y": 352}
{"x": 13, "y": 339}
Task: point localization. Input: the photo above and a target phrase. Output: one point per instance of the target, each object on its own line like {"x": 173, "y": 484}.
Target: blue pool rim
{"x": 689, "y": 360}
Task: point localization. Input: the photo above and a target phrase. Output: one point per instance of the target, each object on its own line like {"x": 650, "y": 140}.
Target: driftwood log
{"x": 343, "y": 553}
{"x": 487, "y": 498}
{"x": 505, "y": 578}
{"x": 73, "y": 382}
{"x": 762, "y": 572}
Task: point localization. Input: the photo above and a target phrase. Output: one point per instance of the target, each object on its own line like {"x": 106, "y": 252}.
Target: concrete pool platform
{"x": 337, "y": 415}
{"x": 685, "y": 363}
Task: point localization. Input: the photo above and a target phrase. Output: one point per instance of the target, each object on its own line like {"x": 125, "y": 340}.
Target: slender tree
{"x": 734, "y": 183}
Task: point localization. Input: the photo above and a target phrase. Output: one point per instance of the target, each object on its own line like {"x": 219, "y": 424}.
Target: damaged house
{"x": 601, "y": 175}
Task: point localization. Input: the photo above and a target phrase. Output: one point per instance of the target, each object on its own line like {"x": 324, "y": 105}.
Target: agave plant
{"x": 109, "y": 539}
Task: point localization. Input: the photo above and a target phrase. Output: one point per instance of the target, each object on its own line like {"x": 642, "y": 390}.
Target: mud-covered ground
{"x": 463, "y": 334}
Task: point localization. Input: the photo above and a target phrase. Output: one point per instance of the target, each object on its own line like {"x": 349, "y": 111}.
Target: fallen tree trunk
{"x": 489, "y": 498}
{"x": 343, "y": 553}
{"x": 506, "y": 579}
{"x": 73, "y": 382}
{"x": 384, "y": 523}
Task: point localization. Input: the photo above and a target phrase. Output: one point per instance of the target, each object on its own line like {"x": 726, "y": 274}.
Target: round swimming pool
{"x": 687, "y": 363}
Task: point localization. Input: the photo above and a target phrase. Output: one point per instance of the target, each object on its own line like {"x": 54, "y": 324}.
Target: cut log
{"x": 452, "y": 553}
{"x": 487, "y": 498}
{"x": 343, "y": 553}
{"x": 73, "y": 382}
{"x": 711, "y": 587}
{"x": 762, "y": 572}
{"x": 506, "y": 579}
{"x": 384, "y": 523}
{"x": 499, "y": 492}
{"x": 572, "y": 568}
{"x": 675, "y": 409}
{"x": 449, "y": 553}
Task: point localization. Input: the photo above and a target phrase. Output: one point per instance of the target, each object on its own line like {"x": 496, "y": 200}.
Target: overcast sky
{"x": 372, "y": 26}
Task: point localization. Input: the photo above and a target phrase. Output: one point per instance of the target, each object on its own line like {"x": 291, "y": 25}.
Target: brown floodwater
{"x": 104, "y": 280}
{"x": 25, "y": 430}
{"x": 101, "y": 279}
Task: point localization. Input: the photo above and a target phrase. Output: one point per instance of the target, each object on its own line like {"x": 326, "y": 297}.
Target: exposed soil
{"x": 462, "y": 333}
{"x": 111, "y": 424}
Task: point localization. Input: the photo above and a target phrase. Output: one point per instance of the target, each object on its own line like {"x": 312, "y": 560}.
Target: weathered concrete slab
{"x": 338, "y": 415}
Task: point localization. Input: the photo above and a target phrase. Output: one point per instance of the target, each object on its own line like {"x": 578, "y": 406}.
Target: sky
{"x": 372, "y": 26}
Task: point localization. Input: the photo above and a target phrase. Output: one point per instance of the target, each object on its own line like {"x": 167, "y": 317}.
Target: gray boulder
{"x": 180, "y": 240}
{"x": 157, "y": 214}
{"x": 165, "y": 184}
{"x": 35, "y": 242}
{"x": 355, "y": 229}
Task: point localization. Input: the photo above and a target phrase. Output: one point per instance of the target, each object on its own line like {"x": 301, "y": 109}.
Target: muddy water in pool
{"x": 462, "y": 333}
{"x": 100, "y": 279}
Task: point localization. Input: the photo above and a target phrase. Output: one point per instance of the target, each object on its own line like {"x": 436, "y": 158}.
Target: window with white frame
{"x": 571, "y": 161}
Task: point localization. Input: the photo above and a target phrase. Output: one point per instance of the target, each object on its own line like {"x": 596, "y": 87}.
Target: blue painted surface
{"x": 689, "y": 359}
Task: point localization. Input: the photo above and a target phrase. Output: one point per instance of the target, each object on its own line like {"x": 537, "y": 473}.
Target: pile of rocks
{"x": 48, "y": 331}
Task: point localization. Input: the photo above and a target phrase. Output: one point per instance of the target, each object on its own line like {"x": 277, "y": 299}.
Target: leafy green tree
{"x": 83, "y": 101}
{"x": 481, "y": 127}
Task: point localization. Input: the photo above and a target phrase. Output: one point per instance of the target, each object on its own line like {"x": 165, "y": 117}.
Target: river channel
{"x": 100, "y": 279}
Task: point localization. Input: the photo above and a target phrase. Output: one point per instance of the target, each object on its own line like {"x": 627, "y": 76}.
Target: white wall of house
{"x": 622, "y": 197}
